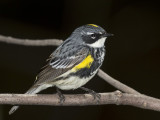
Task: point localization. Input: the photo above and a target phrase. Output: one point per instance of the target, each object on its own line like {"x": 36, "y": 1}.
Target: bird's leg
{"x": 61, "y": 96}
{"x": 93, "y": 93}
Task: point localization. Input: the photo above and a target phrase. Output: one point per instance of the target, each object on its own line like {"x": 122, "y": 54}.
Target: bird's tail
{"x": 32, "y": 90}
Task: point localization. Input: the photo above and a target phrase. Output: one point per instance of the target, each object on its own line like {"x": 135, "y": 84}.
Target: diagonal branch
{"x": 117, "y": 98}
{"x": 116, "y": 83}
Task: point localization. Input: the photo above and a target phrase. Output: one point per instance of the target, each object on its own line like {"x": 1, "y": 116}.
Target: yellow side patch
{"x": 86, "y": 63}
{"x": 93, "y": 25}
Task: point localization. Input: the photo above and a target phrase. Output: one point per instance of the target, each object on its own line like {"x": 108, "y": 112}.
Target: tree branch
{"x": 27, "y": 42}
{"x": 117, "y": 98}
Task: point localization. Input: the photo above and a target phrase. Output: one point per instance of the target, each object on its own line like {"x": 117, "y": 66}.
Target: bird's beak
{"x": 108, "y": 35}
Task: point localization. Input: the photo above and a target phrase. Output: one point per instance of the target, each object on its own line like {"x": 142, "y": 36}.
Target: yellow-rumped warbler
{"x": 73, "y": 63}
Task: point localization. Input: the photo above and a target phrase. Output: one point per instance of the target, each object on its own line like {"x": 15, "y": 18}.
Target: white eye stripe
{"x": 89, "y": 33}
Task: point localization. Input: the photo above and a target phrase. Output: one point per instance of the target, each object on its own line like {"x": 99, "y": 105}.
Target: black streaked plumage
{"x": 98, "y": 55}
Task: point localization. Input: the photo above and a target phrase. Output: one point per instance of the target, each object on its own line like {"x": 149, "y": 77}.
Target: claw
{"x": 61, "y": 99}
{"x": 95, "y": 95}
{"x": 61, "y": 96}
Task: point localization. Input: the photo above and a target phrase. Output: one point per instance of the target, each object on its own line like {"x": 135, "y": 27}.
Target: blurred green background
{"x": 133, "y": 54}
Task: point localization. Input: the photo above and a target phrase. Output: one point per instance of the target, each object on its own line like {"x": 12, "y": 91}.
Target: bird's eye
{"x": 93, "y": 36}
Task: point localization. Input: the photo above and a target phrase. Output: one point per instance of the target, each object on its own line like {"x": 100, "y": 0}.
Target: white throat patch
{"x": 99, "y": 43}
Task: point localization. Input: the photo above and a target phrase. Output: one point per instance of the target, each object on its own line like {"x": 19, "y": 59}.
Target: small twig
{"x": 117, "y": 98}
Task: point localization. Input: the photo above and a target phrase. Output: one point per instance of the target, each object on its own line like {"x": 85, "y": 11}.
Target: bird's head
{"x": 91, "y": 35}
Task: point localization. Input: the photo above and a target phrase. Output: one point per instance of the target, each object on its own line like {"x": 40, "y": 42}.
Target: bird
{"x": 75, "y": 62}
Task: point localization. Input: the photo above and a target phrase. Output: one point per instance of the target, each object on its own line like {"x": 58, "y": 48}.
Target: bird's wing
{"x": 59, "y": 65}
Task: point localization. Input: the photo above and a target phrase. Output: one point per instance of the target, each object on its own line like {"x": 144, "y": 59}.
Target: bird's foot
{"x": 61, "y": 96}
{"x": 95, "y": 95}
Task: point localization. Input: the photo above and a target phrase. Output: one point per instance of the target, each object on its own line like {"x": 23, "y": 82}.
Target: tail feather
{"x": 32, "y": 90}
{"x": 13, "y": 109}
